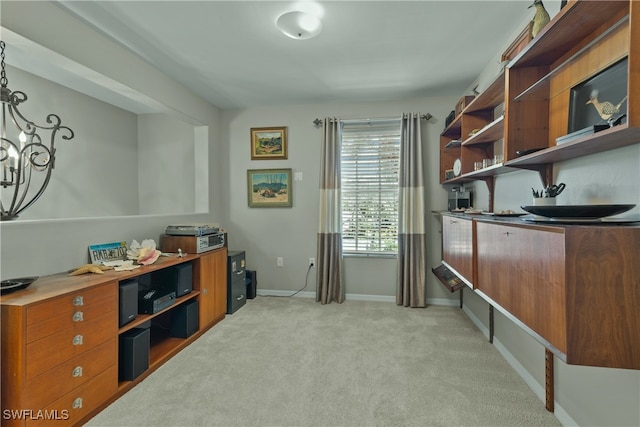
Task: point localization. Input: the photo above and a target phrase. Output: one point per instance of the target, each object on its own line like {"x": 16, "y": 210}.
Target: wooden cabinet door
{"x": 457, "y": 245}
{"x": 212, "y": 279}
{"x": 523, "y": 270}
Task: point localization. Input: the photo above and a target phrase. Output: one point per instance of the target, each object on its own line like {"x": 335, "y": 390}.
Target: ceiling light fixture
{"x": 22, "y": 151}
{"x": 299, "y": 25}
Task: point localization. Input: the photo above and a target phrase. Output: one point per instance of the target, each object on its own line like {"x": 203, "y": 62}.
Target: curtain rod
{"x": 318, "y": 122}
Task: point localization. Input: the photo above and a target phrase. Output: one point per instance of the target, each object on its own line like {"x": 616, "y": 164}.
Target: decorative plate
{"x": 578, "y": 211}
{"x": 457, "y": 167}
{"x": 11, "y": 285}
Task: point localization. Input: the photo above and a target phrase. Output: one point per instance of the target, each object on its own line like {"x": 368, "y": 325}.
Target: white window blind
{"x": 369, "y": 169}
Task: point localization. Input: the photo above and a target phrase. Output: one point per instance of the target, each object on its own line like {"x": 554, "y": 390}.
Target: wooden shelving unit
{"x": 583, "y": 39}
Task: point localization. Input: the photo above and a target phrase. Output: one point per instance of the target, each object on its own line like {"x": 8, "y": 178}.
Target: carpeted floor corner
{"x": 294, "y": 362}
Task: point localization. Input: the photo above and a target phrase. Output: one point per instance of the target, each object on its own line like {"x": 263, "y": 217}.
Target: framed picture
{"x": 269, "y": 188}
{"x": 600, "y": 100}
{"x": 269, "y": 143}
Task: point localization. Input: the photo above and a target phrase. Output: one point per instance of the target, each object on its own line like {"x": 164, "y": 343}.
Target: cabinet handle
{"x": 78, "y": 316}
{"x": 78, "y": 301}
{"x": 240, "y": 298}
{"x": 507, "y": 233}
{"x": 240, "y": 272}
{"x": 77, "y": 372}
{"x": 451, "y": 221}
{"x": 77, "y": 403}
{"x": 205, "y": 291}
{"x": 77, "y": 340}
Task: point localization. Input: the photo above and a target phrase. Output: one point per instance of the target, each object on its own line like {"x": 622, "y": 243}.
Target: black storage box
{"x": 252, "y": 283}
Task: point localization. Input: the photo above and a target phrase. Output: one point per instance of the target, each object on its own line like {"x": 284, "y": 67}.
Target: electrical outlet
{"x": 280, "y": 261}
{"x": 312, "y": 262}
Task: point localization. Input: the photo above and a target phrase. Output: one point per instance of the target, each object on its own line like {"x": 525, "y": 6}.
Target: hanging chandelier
{"x": 26, "y": 162}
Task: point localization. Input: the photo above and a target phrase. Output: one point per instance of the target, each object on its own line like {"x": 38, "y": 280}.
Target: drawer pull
{"x": 451, "y": 221}
{"x": 78, "y": 316}
{"x": 77, "y": 403}
{"x": 78, "y": 301}
{"x": 77, "y": 340}
{"x": 240, "y": 298}
{"x": 240, "y": 272}
{"x": 507, "y": 233}
{"x": 77, "y": 372}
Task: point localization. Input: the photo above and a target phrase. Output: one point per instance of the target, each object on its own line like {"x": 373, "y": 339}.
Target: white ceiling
{"x": 231, "y": 53}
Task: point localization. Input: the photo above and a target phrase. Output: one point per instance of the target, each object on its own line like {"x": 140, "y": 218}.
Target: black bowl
{"x": 12, "y": 285}
{"x": 578, "y": 211}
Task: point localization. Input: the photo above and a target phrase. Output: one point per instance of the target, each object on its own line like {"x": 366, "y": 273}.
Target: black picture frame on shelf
{"x": 591, "y": 100}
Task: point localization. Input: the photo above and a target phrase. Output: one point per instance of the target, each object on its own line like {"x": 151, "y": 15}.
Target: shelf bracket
{"x": 490, "y": 181}
{"x": 548, "y": 376}
{"x": 491, "y": 330}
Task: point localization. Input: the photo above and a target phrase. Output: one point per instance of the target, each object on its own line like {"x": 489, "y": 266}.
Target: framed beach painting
{"x": 269, "y": 188}
{"x": 269, "y": 143}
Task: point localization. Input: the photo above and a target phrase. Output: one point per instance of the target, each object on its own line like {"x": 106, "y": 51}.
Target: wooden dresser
{"x": 60, "y": 340}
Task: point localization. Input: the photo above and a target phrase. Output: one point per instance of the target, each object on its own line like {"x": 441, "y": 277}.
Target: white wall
{"x": 266, "y": 233}
{"x": 103, "y": 154}
{"x": 40, "y": 247}
{"x": 166, "y": 165}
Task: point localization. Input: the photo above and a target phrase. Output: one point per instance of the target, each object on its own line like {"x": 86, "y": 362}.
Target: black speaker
{"x": 252, "y": 283}
{"x": 128, "y": 299}
{"x": 178, "y": 279}
{"x": 134, "y": 353}
{"x": 184, "y": 320}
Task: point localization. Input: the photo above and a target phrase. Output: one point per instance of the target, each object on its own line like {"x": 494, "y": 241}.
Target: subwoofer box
{"x": 128, "y": 301}
{"x": 178, "y": 278}
{"x": 184, "y": 320}
{"x": 133, "y": 353}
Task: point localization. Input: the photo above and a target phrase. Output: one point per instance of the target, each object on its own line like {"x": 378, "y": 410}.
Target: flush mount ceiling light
{"x": 299, "y": 25}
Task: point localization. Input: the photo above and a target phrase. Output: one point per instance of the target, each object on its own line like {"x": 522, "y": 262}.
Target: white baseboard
{"x": 353, "y": 297}
{"x": 538, "y": 389}
{"x": 274, "y": 293}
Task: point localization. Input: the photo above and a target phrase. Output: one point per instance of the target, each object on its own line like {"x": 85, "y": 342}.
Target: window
{"x": 370, "y": 160}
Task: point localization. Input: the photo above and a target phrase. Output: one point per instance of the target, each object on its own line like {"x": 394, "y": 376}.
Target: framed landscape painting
{"x": 269, "y": 188}
{"x": 269, "y": 143}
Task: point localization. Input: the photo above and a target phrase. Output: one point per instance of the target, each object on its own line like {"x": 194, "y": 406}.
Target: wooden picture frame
{"x": 269, "y": 143}
{"x": 269, "y": 188}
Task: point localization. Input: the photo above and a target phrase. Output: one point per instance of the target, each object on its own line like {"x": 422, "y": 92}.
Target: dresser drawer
{"x": 57, "y": 348}
{"x": 70, "y": 310}
{"x": 68, "y": 304}
{"x": 49, "y": 386}
{"x": 75, "y": 405}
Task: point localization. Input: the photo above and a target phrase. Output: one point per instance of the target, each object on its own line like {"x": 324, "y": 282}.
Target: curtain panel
{"x": 330, "y": 284}
{"x": 411, "y": 286}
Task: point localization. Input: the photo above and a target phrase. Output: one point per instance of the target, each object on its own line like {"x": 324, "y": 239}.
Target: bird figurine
{"x": 540, "y": 19}
{"x": 606, "y": 110}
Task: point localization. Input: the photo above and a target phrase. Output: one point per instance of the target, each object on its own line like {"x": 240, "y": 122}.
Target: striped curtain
{"x": 411, "y": 291}
{"x": 330, "y": 285}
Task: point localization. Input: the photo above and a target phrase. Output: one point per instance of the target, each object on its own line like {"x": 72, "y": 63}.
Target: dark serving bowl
{"x": 11, "y": 285}
{"x": 578, "y": 211}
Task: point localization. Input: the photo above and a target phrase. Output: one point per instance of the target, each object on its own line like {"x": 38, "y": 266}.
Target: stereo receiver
{"x": 191, "y": 244}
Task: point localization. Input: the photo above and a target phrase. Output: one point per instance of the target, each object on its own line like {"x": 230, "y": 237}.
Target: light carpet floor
{"x": 294, "y": 362}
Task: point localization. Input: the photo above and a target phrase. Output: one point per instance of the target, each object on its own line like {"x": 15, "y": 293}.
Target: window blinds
{"x": 369, "y": 169}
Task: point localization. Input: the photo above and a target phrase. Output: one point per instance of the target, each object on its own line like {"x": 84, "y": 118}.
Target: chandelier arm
{"x": 37, "y": 195}
{"x": 48, "y": 165}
